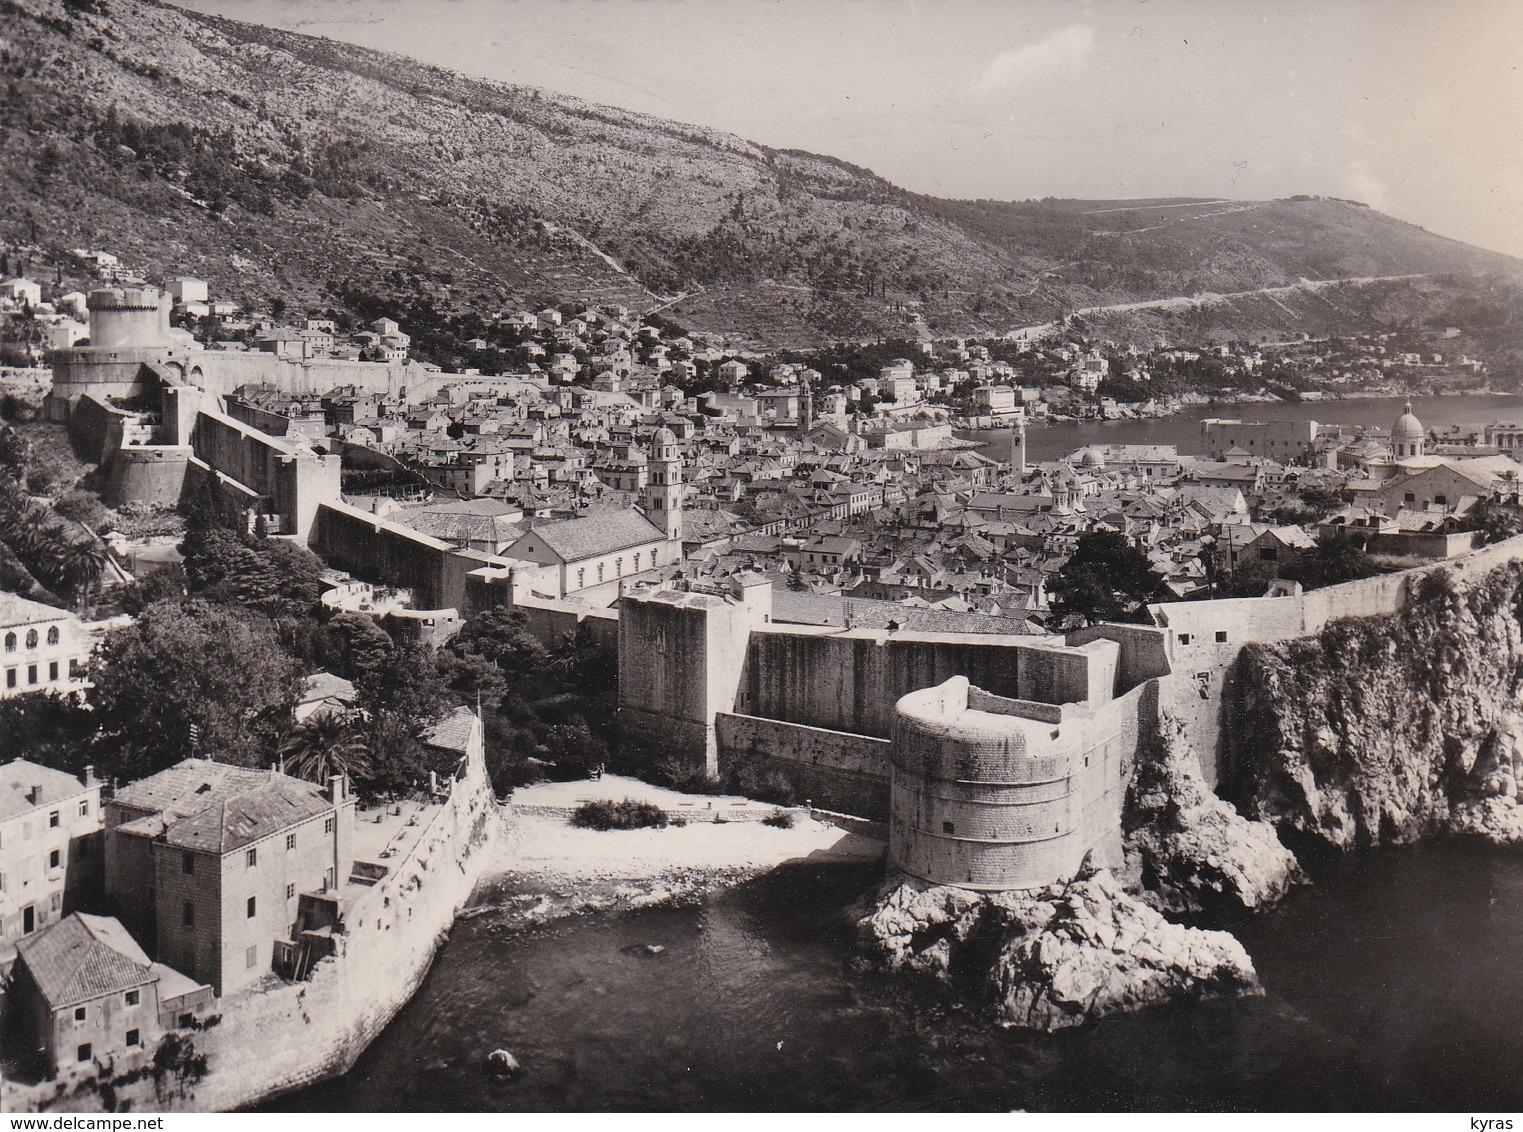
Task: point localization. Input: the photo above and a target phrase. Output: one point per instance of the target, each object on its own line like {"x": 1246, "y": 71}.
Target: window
{"x": 79, "y": 1014}
{"x": 328, "y": 826}
{"x": 1221, "y": 636}
{"x": 637, "y": 562}
{"x": 53, "y": 820}
{"x": 53, "y": 635}
{"x": 132, "y": 1037}
{"x": 251, "y": 908}
{"x": 186, "y": 1020}
{"x": 600, "y": 571}
{"x": 1184, "y": 638}
{"x": 618, "y": 566}
{"x": 1269, "y": 553}
{"x": 84, "y": 809}
{"x": 10, "y": 642}
{"x": 134, "y": 997}
{"x": 10, "y": 677}
{"x": 653, "y": 554}
{"x": 53, "y": 859}
{"x": 581, "y": 578}
{"x": 52, "y": 670}
{"x": 1441, "y": 500}
{"x": 251, "y": 858}
{"x": 251, "y": 957}
{"x": 31, "y": 638}
{"x": 188, "y": 915}
{"x": 84, "y": 1051}
{"x": 31, "y": 674}
{"x": 290, "y": 892}
{"x": 188, "y": 864}
{"x": 290, "y": 842}
{"x": 948, "y": 828}
{"x": 1409, "y": 499}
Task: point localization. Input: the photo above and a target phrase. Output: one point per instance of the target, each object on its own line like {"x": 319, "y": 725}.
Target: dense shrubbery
{"x": 779, "y": 819}
{"x": 628, "y": 814}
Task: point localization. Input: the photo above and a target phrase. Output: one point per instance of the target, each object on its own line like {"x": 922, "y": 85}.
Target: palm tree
{"x": 81, "y": 562}
{"x": 325, "y": 744}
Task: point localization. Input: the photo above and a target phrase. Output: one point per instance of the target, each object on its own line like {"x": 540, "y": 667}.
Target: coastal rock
{"x": 502, "y": 1065}
{"x": 1088, "y": 950}
{"x": 913, "y": 925}
{"x": 1054, "y": 957}
{"x": 1188, "y": 850}
{"x": 1386, "y": 730}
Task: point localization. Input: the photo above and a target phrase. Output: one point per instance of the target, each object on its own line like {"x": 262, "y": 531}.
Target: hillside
{"x": 278, "y": 164}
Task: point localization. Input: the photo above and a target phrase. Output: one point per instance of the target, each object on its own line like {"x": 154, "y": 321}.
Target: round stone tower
{"x": 129, "y": 330}
{"x": 982, "y": 795}
{"x": 128, "y": 318}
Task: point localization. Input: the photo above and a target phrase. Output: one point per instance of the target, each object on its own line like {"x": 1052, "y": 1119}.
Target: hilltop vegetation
{"x": 273, "y": 163}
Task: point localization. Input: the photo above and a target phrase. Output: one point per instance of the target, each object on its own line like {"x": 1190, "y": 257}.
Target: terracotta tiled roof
{"x": 217, "y": 808}
{"x": 17, "y": 610}
{"x": 18, "y": 777}
{"x": 593, "y": 535}
{"x": 84, "y": 957}
{"x": 453, "y": 732}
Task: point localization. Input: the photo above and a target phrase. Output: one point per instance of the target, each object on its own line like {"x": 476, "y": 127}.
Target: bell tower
{"x": 663, "y": 491}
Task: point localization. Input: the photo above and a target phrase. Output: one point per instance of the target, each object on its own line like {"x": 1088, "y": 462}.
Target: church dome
{"x": 1407, "y": 426}
{"x": 1092, "y": 458}
{"x": 664, "y": 435}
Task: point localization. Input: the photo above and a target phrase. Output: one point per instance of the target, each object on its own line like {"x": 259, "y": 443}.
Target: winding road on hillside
{"x": 1210, "y": 298}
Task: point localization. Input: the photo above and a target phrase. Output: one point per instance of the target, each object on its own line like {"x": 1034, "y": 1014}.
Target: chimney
{"x": 31, "y": 795}
{"x": 90, "y": 776}
{"x": 335, "y": 788}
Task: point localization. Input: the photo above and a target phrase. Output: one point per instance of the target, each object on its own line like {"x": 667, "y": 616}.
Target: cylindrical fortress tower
{"x": 126, "y": 318}
{"x": 982, "y": 792}
{"x": 129, "y": 329}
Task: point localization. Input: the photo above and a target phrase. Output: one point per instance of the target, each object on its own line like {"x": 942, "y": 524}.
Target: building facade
{"x": 206, "y": 863}
{"x": 42, "y": 649}
{"x": 50, "y": 847}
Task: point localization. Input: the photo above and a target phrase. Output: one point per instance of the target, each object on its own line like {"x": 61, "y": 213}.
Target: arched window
{"x": 637, "y": 562}
{"x": 10, "y": 642}
{"x": 653, "y": 553}
{"x": 581, "y": 577}
{"x": 53, "y": 635}
{"x": 600, "y": 571}
{"x": 31, "y": 638}
{"x": 618, "y": 567}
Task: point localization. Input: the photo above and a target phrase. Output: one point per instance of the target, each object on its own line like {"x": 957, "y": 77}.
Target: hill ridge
{"x": 276, "y": 163}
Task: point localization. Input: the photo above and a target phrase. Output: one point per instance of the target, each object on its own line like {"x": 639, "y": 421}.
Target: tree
{"x": 579, "y": 662}
{"x": 48, "y": 728}
{"x": 324, "y": 744}
{"x": 81, "y": 562}
{"x": 353, "y": 645}
{"x": 274, "y": 577}
{"x": 191, "y": 678}
{"x": 165, "y": 583}
{"x": 1339, "y": 557}
{"x": 1106, "y": 579}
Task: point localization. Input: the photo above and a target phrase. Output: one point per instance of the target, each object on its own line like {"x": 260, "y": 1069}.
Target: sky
{"x": 1413, "y": 106}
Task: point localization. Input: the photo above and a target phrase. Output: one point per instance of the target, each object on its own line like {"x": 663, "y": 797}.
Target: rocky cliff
{"x": 1189, "y": 851}
{"x": 1385, "y": 730}
{"x": 1055, "y": 957}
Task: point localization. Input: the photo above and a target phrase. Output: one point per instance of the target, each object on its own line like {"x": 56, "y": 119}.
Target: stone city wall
{"x": 850, "y": 681}
{"x": 1205, "y": 639}
{"x": 832, "y": 769}
{"x": 387, "y": 553}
